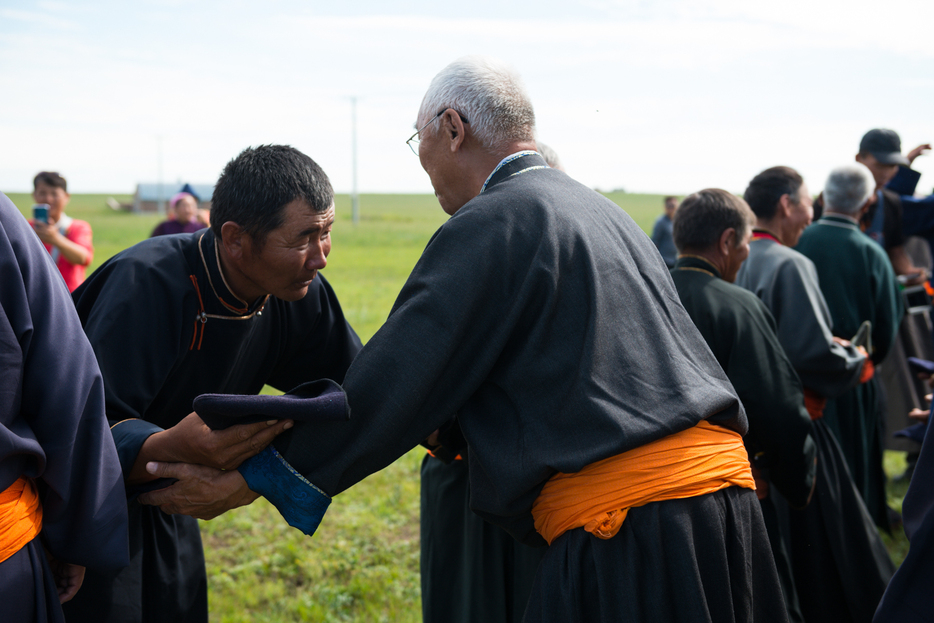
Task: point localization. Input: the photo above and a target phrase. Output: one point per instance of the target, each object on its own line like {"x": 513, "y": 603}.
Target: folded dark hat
{"x": 316, "y": 401}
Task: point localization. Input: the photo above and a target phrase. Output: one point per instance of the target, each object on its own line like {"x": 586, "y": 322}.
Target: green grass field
{"x": 362, "y": 565}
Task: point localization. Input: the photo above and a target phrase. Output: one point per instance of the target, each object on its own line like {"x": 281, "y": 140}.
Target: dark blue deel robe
{"x": 52, "y": 428}
{"x": 909, "y": 597}
{"x": 918, "y": 212}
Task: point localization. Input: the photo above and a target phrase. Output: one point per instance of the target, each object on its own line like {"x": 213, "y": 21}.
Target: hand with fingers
{"x": 200, "y": 491}
{"x": 68, "y": 577}
{"x": 194, "y": 442}
{"x": 920, "y": 150}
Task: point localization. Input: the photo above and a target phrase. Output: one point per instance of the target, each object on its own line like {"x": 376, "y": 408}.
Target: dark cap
{"x": 884, "y": 145}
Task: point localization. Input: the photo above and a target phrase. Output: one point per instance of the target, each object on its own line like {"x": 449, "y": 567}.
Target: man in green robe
{"x": 712, "y": 230}
{"x": 858, "y": 283}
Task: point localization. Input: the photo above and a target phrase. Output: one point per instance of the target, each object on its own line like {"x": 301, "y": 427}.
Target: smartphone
{"x": 40, "y": 213}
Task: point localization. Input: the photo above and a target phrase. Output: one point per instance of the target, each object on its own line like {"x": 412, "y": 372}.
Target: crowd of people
{"x": 687, "y": 430}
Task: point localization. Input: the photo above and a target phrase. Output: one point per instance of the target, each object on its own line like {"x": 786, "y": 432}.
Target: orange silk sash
{"x": 700, "y": 460}
{"x": 20, "y": 516}
{"x": 456, "y": 458}
{"x": 814, "y": 403}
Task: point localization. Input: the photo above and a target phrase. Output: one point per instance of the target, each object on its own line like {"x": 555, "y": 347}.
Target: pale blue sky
{"x": 648, "y": 96}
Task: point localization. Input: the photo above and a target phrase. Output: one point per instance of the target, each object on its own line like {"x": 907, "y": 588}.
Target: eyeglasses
{"x": 414, "y": 139}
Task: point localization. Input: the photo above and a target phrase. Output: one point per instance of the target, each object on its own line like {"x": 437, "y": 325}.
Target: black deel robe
{"x": 471, "y": 569}
{"x": 741, "y": 333}
{"x": 140, "y": 312}
{"x": 52, "y": 428}
{"x": 547, "y": 321}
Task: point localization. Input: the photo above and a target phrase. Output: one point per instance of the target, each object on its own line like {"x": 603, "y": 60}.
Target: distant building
{"x": 148, "y": 196}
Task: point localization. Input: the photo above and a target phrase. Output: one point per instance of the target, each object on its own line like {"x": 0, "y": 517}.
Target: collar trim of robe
{"x": 201, "y": 317}
{"x": 216, "y": 276}
{"x": 838, "y": 220}
{"x": 696, "y": 263}
{"x": 513, "y": 165}
{"x": 764, "y": 234}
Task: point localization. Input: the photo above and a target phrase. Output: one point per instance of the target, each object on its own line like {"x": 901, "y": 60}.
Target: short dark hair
{"x": 257, "y": 184}
{"x": 767, "y": 188}
{"x": 704, "y": 216}
{"x": 670, "y": 198}
{"x": 49, "y": 178}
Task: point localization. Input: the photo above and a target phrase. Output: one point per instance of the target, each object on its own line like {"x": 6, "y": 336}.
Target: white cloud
{"x": 42, "y": 18}
{"x": 689, "y": 94}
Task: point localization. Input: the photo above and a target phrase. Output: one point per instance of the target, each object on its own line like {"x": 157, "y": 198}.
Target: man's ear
{"x": 453, "y": 128}
{"x": 236, "y": 241}
{"x": 727, "y": 241}
{"x": 784, "y": 205}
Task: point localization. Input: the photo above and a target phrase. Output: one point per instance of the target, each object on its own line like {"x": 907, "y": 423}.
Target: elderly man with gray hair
{"x": 859, "y": 285}
{"x": 598, "y": 421}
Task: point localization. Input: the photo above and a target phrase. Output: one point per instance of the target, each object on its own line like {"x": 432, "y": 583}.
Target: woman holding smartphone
{"x": 67, "y": 239}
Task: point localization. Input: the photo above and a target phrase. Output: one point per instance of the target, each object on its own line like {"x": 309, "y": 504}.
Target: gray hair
{"x": 848, "y": 188}
{"x": 550, "y": 155}
{"x": 489, "y": 94}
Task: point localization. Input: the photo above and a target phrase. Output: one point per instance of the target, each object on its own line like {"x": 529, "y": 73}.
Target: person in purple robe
{"x": 186, "y": 221}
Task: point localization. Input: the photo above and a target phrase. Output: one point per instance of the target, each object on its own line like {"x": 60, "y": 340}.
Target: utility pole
{"x": 160, "y": 204}
{"x": 354, "y": 197}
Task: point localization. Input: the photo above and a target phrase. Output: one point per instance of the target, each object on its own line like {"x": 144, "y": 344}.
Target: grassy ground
{"x": 362, "y": 565}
